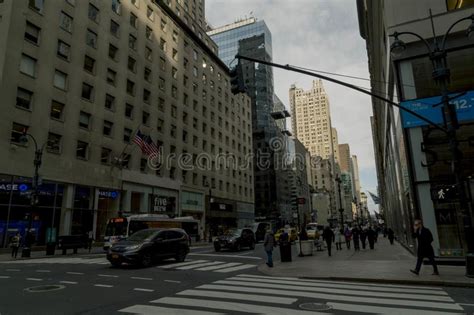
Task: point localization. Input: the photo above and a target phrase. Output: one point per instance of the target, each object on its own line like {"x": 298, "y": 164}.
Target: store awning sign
{"x": 425, "y": 107}
{"x": 14, "y": 187}
{"x": 108, "y": 194}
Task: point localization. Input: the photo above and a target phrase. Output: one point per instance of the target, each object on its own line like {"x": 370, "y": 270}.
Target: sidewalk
{"x": 385, "y": 264}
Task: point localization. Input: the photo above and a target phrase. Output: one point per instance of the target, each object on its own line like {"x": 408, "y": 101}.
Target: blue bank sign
{"x": 464, "y": 108}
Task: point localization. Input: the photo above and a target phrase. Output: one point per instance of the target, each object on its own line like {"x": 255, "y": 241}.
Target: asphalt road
{"x": 207, "y": 283}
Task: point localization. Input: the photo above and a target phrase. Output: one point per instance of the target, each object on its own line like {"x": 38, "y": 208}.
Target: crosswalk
{"x": 254, "y": 294}
{"x": 207, "y": 265}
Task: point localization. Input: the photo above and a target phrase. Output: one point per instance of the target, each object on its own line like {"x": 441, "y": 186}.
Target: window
{"x": 150, "y": 14}
{"x": 28, "y": 65}
{"x": 64, "y": 50}
{"x": 32, "y": 33}
{"x": 81, "y": 150}
{"x": 114, "y": 28}
{"x": 195, "y": 54}
{"x": 147, "y": 74}
{"x": 172, "y": 172}
{"x": 175, "y": 36}
{"x": 84, "y": 120}
{"x": 36, "y": 5}
{"x": 162, "y": 64}
{"x": 174, "y": 73}
{"x": 163, "y": 25}
{"x": 112, "y": 51}
{"x": 129, "y": 111}
{"x": 195, "y": 72}
{"x": 105, "y": 155}
{"x": 146, "y": 96}
{"x": 89, "y": 64}
{"x": 53, "y": 144}
{"x": 17, "y": 132}
{"x": 173, "y": 131}
{"x": 175, "y": 54}
{"x": 143, "y": 163}
{"x": 132, "y": 42}
{"x": 111, "y": 76}
{"x": 160, "y": 124}
{"x": 185, "y": 63}
{"x": 130, "y": 87}
{"x": 87, "y": 91}
{"x": 162, "y": 44}
{"x": 136, "y": 3}
{"x": 174, "y": 92}
{"x": 24, "y": 98}
{"x": 116, "y": 6}
{"x": 107, "y": 128}
{"x": 148, "y": 54}
{"x": 161, "y": 104}
{"x": 131, "y": 64}
{"x": 109, "y": 102}
{"x": 145, "y": 118}
{"x": 127, "y": 135}
{"x": 65, "y": 21}
{"x": 174, "y": 111}
{"x": 133, "y": 20}
{"x": 60, "y": 80}
{"x": 57, "y": 110}
{"x": 161, "y": 83}
{"x": 93, "y": 13}
{"x": 91, "y": 39}
{"x": 149, "y": 33}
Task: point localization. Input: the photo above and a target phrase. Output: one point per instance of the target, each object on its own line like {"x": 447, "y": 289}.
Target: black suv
{"x": 147, "y": 246}
{"x": 235, "y": 239}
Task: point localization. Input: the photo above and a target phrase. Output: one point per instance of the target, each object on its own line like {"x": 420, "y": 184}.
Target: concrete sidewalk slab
{"x": 385, "y": 264}
{"x": 36, "y": 254}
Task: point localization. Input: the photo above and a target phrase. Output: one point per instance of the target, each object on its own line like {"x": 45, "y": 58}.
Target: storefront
{"x": 192, "y": 204}
{"x": 149, "y": 199}
{"x": 222, "y": 216}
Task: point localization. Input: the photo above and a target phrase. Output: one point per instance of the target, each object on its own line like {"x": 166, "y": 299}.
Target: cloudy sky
{"x": 321, "y": 35}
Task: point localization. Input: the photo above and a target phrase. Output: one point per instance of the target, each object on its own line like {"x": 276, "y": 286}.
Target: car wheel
{"x": 252, "y": 245}
{"x": 116, "y": 264}
{"x": 181, "y": 255}
{"x": 146, "y": 260}
{"x": 217, "y": 248}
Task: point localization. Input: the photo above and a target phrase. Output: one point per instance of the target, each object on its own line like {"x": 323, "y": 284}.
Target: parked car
{"x": 292, "y": 234}
{"x": 235, "y": 239}
{"x": 150, "y": 245}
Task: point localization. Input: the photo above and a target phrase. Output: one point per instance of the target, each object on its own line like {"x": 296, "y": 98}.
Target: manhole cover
{"x": 315, "y": 307}
{"x": 45, "y": 288}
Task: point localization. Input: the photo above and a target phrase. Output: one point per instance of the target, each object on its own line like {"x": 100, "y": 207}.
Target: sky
{"x": 321, "y": 35}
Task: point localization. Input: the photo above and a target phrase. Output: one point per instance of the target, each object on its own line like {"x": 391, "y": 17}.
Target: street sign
{"x": 424, "y": 106}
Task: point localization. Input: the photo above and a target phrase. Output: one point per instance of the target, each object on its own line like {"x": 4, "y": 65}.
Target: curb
{"x": 49, "y": 256}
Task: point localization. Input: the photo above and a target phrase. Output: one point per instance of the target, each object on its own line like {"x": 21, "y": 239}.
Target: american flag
{"x": 145, "y": 143}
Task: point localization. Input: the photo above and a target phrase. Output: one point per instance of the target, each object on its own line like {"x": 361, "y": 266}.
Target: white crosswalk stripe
{"x": 207, "y": 265}
{"x": 256, "y": 294}
{"x": 62, "y": 260}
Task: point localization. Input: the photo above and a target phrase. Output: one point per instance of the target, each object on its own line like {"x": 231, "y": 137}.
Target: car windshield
{"x": 233, "y": 232}
{"x": 142, "y": 235}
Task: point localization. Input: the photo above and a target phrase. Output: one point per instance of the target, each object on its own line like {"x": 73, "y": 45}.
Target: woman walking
{"x": 338, "y": 238}
{"x": 15, "y": 244}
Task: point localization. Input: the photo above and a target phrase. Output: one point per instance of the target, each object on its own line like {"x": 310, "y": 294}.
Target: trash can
{"x": 285, "y": 251}
{"x": 26, "y": 252}
{"x": 470, "y": 265}
{"x": 306, "y": 248}
{"x": 50, "y": 248}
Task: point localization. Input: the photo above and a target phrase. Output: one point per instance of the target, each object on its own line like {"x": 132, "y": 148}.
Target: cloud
{"x": 323, "y": 35}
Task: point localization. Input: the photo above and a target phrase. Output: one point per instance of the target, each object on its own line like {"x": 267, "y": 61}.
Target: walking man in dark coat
{"x": 355, "y": 238}
{"x": 371, "y": 236}
{"x": 328, "y": 236}
{"x": 363, "y": 237}
{"x": 425, "y": 238}
{"x": 391, "y": 235}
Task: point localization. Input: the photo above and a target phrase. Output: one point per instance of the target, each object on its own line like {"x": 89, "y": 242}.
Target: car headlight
{"x": 133, "y": 247}
{"x": 232, "y": 240}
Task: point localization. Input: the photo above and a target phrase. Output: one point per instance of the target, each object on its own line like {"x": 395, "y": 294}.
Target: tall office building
{"x": 345, "y": 162}
{"x": 251, "y": 37}
{"x": 82, "y": 77}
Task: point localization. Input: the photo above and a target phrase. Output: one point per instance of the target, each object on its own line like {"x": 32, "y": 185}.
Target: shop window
{"x": 54, "y": 143}
{"x": 82, "y": 150}
{"x": 32, "y": 33}
{"x": 24, "y": 98}
{"x": 17, "y": 132}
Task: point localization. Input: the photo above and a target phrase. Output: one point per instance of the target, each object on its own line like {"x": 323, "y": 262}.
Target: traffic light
{"x": 237, "y": 80}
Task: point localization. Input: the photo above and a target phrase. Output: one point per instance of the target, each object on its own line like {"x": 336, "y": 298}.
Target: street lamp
{"x": 441, "y": 75}
{"x": 209, "y": 185}
{"x": 341, "y": 209}
{"x": 34, "y": 197}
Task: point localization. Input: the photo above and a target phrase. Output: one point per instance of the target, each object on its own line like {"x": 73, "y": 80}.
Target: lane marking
{"x": 153, "y": 310}
{"x": 74, "y": 273}
{"x": 232, "y": 306}
{"x": 182, "y": 264}
{"x": 218, "y": 267}
{"x": 340, "y": 285}
{"x": 213, "y": 263}
{"x": 4, "y": 277}
{"x": 140, "y": 278}
{"x": 232, "y": 269}
{"x": 172, "y": 281}
{"x": 239, "y": 296}
{"x": 466, "y": 304}
{"x": 382, "y": 310}
{"x": 333, "y": 297}
{"x": 103, "y": 285}
{"x": 68, "y": 282}
{"x": 143, "y": 290}
{"x": 34, "y": 279}
{"x": 109, "y": 276}
{"x": 43, "y": 270}
{"x": 231, "y": 256}
{"x": 12, "y": 269}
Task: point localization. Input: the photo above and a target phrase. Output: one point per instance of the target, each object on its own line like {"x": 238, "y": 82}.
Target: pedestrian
{"x": 328, "y": 236}
{"x": 355, "y": 237}
{"x": 377, "y": 231}
{"x": 391, "y": 235}
{"x": 268, "y": 244}
{"x": 348, "y": 236}
{"x": 90, "y": 240}
{"x": 363, "y": 237}
{"x": 29, "y": 238}
{"x": 425, "y": 238}
{"x": 371, "y": 237}
{"x": 15, "y": 244}
{"x": 338, "y": 238}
